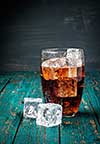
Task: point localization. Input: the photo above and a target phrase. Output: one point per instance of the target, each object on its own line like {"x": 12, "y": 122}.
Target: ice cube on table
{"x": 49, "y": 115}
{"x": 31, "y": 107}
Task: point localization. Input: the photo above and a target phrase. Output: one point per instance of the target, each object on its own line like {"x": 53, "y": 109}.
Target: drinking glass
{"x": 62, "y": 77}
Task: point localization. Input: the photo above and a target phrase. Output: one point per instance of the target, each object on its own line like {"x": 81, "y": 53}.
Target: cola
{"x": 62, "y": 84}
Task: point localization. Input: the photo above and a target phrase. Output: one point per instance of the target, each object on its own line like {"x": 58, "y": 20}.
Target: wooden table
{"x": 15, "y": 129}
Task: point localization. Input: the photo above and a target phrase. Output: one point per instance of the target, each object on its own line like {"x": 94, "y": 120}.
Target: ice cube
{"x": 74, "y": 57}
{"x": 51, "y": 66}
{"x": 67, "y": 88}
{"x": 54, "y": 62}
{"x": 49, "y": 114}
{"x": 72, "y": 72}
{"x": 30, "y": 107}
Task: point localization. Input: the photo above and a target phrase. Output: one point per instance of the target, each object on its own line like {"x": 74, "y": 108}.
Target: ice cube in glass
{"x": 74, "y": 57}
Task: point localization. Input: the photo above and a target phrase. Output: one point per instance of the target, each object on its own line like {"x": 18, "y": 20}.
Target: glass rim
{"x": 50, "y": 52}
{"x": 55, "y": 49}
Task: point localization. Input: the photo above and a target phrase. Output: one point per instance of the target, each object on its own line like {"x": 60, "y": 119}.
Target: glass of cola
{"x": 62, "y": 77}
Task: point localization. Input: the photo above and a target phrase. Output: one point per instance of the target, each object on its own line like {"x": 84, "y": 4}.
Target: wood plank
{"x": 52, "y": 135}
{"x": 29, "y": 132}
{"x": 94, "y": 92}
{"x": 11, "y": 105}
{"x": 3, "y": 83}
{"x": 95, "y": 102}
{"x": 95, "y": 77}
{"x": 84, "y": 128}
{"x": 29, "y": 126}
{"x": 4, "y": 80}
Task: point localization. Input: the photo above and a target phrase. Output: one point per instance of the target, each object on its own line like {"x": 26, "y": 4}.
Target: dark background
{"x": 28, "y": 25}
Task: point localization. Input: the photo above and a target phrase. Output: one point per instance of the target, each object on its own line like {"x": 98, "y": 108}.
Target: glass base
{"x": 70, "y": 115}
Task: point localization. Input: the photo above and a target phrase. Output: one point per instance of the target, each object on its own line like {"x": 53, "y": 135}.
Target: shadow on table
{"x": 80, "y": 118}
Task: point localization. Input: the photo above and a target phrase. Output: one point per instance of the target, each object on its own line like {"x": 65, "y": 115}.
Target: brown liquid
{"x": 63, "y": 85}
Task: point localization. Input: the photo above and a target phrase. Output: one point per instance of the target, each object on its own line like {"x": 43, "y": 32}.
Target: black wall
{"x": 28, "y": 25}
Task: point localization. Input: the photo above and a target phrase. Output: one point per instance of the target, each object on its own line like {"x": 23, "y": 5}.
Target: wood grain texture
{"x": 84, "y": 128}
{"x": 27, "y": 27}
{"x": 11, "y": 106}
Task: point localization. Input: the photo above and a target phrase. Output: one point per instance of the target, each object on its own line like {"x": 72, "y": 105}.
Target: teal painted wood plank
{"x": 83, "y": 128}
{"x": 72, "y": 134}
{"x": 93, "y": 80}
{"x": 4, "y": 79}
{"x": 37, "y": 89}
{"x": 3, "y": 83}
{"x": 52, "y": 135}
{"x": 89, "y": 109}
{"x": 31, "y": 133}
{"x": 28, "y": 131}
{"x": 11, "y": 105}
{"x": 96, "y": 80}
{"x": 95, "y": 102}
{"x": 93, "y": 91}
{"x": 48, "y": 135}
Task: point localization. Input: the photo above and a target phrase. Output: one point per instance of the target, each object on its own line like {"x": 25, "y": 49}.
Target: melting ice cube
{"x": 31, "y": 107}
{"x": 49, "y": 114}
